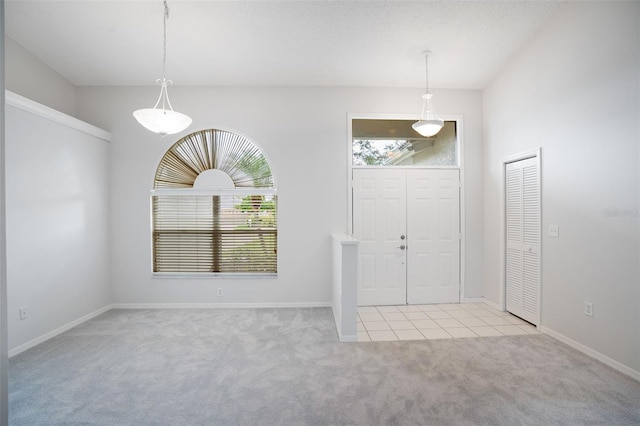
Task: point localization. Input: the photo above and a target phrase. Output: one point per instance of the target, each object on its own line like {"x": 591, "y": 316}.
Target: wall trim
{"x": 219, "y": 305}
{"x": 53, "y": 333}
{"x": 634, "y": 374}
{"x": 347, "y": 338}
{"x": 44, "y": 111}
{"x": 492, "y": 304}
{"x": 482, "y": 300}
{"x": 4, "y": 335}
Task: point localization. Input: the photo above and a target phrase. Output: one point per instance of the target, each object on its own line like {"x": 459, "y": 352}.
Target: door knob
{"x": 402, "y": 237}
{"x": 402, "y": 247}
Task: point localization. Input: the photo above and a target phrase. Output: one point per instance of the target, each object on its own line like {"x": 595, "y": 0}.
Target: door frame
{"x": 458, "y": 118}
{"x": 502, "y": 293}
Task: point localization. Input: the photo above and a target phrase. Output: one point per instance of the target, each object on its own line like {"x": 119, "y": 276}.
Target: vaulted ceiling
{"x": 277, "y": 43}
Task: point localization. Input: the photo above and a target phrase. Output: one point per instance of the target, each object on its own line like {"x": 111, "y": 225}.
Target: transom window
{"x": 392, "y": 143}
{"x": 214, "y": 207}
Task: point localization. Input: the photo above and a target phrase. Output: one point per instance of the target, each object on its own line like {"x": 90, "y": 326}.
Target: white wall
{"x": 57, "y": 224}
{"x": 345, "y": 283}
{"x": 28, "y": 76}
{"x": 304, "y": 133}
{"x": 574, "y": 91}
{"x": 4, "y": 397}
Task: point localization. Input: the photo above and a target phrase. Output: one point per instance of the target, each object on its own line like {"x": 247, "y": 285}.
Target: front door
{"x": 407, "y": 222}
{"x": 433, "y": 230}
{"x": 379, "y": 223}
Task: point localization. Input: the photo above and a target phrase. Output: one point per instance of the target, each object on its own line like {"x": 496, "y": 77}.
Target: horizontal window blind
{"x": 219, "y": 233}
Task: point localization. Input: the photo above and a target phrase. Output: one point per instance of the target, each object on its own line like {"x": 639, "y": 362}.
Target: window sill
{"x": 213, "y": 275}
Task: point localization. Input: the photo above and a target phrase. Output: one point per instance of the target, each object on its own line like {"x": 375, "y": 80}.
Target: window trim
{"x": 212, "y": 192}
{"x": 239, "y": 191}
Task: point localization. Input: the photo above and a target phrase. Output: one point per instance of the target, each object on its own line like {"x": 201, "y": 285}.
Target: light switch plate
{"x": 554, "y": 231}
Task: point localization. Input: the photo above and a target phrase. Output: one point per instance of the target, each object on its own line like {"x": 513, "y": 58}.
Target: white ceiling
{"x": 283, "y": 43}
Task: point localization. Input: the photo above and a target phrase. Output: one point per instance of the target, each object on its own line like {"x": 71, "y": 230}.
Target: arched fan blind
{"x": 214, "y": 207}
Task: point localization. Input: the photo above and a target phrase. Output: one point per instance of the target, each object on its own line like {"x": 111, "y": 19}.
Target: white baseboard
{"x": 592, "y": 353}
{"x": 219, "y": 305}
{"x": 482, "y": 300}
{"x": 348, "y": 338}
{"x": 343, "y": 338}
{"x": 41, "y": 339}
{"x": 492, "y": 304}
{"x": 338, "y": 321}
{"x": 34, "y": 342}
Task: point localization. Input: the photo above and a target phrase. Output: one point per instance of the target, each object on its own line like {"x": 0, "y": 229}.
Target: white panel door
{"x": 379, "y": 222}
{"x": 522, "y": 257}
{"x": 433, "y": 229}
{"x": 408, "y": 225}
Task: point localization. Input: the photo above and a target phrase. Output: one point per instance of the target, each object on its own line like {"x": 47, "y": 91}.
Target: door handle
{"x": 402, "y": 247}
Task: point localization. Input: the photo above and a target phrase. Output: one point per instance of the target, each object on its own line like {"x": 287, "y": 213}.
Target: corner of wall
{"x": 28, "y": 76}
{"x": 4, "y": 337}
{"x": 589, "y": 174}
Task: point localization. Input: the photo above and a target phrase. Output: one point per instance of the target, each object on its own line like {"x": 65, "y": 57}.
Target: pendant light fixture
{"x": 163, "y": 120}
{"x": 429, "y": 123}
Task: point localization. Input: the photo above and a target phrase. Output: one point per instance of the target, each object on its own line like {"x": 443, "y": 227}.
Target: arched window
{"x": 214, "y": 207}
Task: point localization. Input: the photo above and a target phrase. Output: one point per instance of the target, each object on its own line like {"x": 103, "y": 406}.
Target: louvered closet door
{"x": 523, "y": 239}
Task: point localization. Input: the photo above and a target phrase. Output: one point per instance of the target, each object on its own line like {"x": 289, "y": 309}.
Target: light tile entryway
{"x": 419, "y": 322}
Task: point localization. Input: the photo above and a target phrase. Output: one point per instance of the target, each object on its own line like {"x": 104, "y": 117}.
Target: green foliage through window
{"x": 376, "y": 152}
{"x": 214, "y": 233}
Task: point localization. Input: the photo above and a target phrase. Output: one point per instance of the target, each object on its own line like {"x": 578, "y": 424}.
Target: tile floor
{"x": 419, "y": 322}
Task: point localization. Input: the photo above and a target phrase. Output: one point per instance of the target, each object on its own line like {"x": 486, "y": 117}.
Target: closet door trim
{"x": 537, "y": 154}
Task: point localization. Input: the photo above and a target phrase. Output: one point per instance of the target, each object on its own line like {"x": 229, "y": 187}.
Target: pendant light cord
{"x": 163, "y": 82}
{"x": 164, "y": 46}
{"x": 426, "y": 67}
{"x": 164, "y": 95}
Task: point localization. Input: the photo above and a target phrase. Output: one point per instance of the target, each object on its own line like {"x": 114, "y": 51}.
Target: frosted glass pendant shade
{"x": 162, "y": 121}
{"x": 428, "y": 127}
{"x": 429, "y": 123}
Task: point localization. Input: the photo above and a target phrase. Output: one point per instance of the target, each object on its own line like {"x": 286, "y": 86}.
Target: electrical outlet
{"x": 554, "y": 231}
{"x": 220, "y": 292}
{"x": 588, "y": 309}
{"x": 23, "y": 313}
